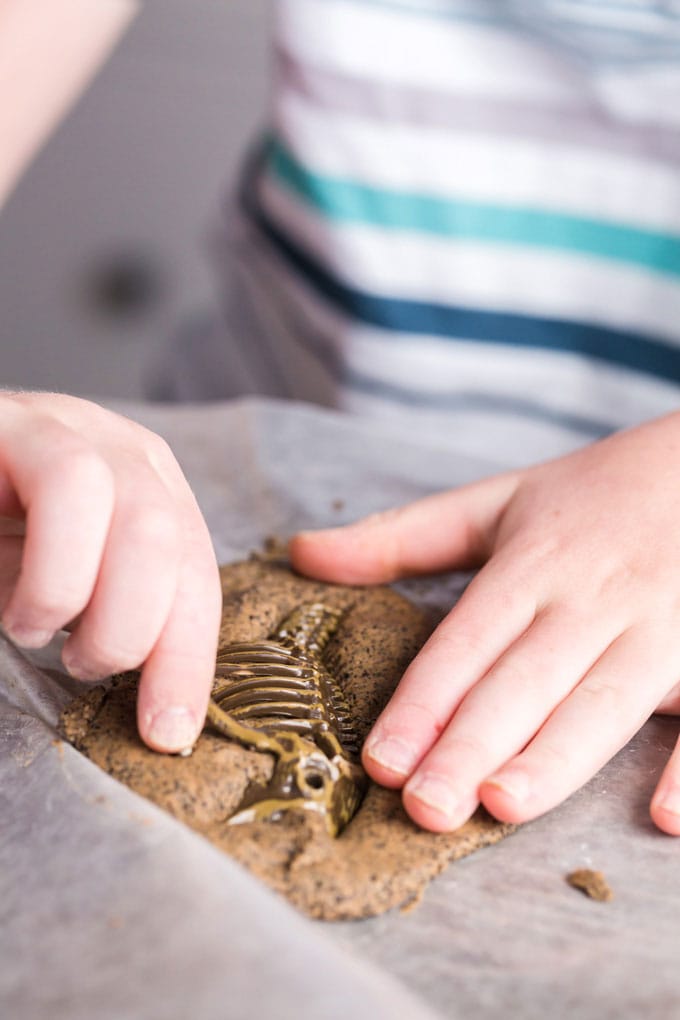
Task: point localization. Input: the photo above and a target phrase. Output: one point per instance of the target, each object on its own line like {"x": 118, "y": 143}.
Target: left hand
{"x": 564, "y": 643}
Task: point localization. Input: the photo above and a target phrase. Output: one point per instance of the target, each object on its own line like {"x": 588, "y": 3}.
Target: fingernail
{"x": 173, "y": 729}
{"x": 435, "y": 792}
{"x": 27, "y": 637}
{"x": 78, "y": 670}
{"x": 669, "y": 800}
{"x": 393, "y": 754}
{"x": 511, "y": 781}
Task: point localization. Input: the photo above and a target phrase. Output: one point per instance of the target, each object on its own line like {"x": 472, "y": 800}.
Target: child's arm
{"x": 114, "y": 546}
{"x": 561, "y": 647}
{"x": 48, "y": 51}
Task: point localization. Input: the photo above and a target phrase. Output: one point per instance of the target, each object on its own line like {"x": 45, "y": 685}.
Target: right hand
{"x": 115, "y": 549}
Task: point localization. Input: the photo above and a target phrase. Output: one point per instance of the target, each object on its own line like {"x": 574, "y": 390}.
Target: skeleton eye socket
{"x": 314, "y": 779}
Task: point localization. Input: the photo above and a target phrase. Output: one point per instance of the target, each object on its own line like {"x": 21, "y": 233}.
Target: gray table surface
{"x": 109, "y": 908}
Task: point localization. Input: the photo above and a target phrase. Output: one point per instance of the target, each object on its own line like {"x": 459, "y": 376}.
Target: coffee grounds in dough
{"x": 381, "y": 859}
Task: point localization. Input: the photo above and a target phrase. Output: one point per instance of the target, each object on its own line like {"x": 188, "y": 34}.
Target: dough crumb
{"x": 592, "y": 883}
{"x": 274, "y": 550}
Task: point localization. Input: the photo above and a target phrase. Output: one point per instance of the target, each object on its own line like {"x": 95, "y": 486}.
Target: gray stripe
{"x": 589, "y": 126}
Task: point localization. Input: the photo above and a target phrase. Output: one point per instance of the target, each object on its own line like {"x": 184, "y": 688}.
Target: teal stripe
{"x": 347, "y": 201}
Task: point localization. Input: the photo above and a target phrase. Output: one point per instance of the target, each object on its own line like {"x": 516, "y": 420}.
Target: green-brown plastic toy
{"x": 277, "y": 696}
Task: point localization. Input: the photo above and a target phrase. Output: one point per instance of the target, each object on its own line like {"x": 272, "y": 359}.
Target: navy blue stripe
{"x": 400, "y": 316}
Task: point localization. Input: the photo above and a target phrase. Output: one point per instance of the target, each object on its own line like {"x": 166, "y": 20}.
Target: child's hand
{"x": 559, "y": 650}
{"x": 116, "y": 548}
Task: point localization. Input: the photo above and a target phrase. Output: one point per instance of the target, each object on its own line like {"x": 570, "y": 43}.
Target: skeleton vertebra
{"x": 277, "y": 696}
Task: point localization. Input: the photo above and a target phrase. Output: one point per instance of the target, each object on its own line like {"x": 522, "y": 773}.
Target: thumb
{"x": 453, "y": 529}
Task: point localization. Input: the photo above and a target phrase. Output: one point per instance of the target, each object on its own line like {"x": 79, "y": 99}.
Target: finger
{"x": 500, "y": 714}
{"x": 67, "y": 492}
{"x": 665, "y": 806}
{"x": 136, "y": 585}
{"x": 594, "y": 722}
{"x": 670, "y": 703}
{"x": 11, "y": 551}
{"x": 492, "y": 613}
{"x": 10, "y": 505}
{"x": 450, "y": 529}
{"x": 178, "y": 674}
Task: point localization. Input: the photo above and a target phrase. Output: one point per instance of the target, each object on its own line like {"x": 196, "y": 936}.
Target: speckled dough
{"x": 381, "y": 860}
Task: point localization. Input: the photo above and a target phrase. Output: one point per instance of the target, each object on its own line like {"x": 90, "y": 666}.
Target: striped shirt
{"x": 466, "y": 215}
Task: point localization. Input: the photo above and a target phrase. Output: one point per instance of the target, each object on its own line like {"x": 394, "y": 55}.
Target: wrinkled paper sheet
{"x": 110, "y": 908}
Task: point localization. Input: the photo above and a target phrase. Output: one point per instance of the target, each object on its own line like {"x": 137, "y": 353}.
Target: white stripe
{"x": 517, "y": 279}
{"x": 499, "y": 170}
{"x": 430, "y": 52}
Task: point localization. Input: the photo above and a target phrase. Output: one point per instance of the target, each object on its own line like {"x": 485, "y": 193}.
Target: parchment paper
{"x": 109, "y": 908}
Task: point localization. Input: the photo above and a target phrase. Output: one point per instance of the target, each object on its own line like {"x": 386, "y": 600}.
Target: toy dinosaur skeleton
{"x": 276, "y": 696}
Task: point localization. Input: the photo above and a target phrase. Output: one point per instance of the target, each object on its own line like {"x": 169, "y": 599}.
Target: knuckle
{"x": 605, "y": 695}
{"x": 52, "y": 607}
{"x": 416, "y": 715}
{"x": 154, "y": 528}
{"x": 103, "y": 656}
{"x": 553, "y": 759}
{"x": 468, "y": 747}
{"x": 456, "y": 636}
{"x": 159, "y": 453}
{"x": 524, "y": 683}
{"x": 81, "y": 466}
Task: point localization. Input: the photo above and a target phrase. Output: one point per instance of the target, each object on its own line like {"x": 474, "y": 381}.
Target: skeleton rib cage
{"x": 280, "y": 684}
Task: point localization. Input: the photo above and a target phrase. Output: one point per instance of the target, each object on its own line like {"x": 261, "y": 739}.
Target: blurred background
{"x": 102, "y": 244}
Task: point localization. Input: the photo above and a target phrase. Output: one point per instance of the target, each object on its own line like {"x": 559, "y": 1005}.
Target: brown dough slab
{"x": 381, "y": 860}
